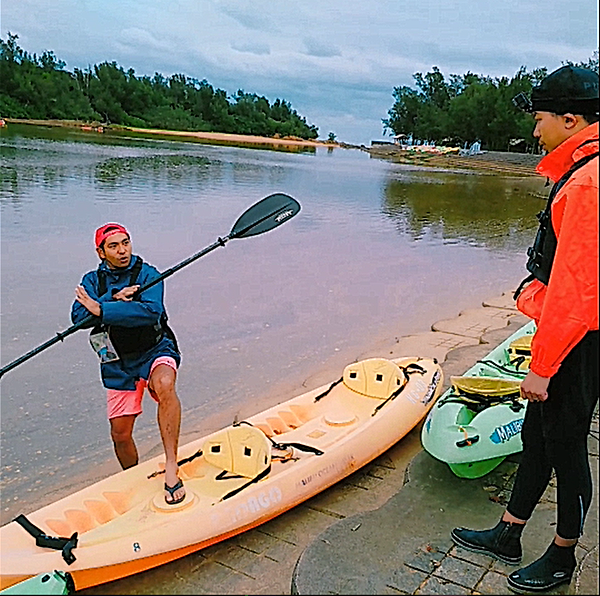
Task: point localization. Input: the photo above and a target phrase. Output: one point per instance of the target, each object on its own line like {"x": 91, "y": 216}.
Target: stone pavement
{"x": 404, "y": 547}
{"x": 384, "y": 529}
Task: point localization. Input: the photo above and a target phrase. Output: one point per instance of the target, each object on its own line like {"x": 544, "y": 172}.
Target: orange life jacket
{"x": 566, "y": 308}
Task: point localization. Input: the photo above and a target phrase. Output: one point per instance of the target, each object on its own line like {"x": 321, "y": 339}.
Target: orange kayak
{"x": 236, "y": 478}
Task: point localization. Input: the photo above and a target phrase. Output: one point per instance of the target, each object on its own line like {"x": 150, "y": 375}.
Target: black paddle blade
{"x": 266, "y": 215}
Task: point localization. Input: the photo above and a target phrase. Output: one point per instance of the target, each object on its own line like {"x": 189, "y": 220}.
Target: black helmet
{"x": 568, "y": 89}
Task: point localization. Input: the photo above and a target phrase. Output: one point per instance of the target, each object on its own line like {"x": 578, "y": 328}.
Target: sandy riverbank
{"x": 216, "y": 137}
{"x": 493, "y": 162}
{"x": 235, "y": 139}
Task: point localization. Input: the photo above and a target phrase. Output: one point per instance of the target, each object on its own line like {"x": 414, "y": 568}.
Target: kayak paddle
{"x": 267, "y": 214}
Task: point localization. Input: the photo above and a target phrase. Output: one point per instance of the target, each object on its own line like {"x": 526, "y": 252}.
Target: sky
{"x": 336, "y": 61}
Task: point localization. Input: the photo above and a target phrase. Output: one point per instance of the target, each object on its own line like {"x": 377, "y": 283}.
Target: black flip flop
{"x": 171, "y": 490}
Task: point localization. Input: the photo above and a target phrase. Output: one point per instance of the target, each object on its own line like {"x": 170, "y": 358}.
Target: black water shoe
{"x": 503, "y": 542}
{"x": 553, "y": 568}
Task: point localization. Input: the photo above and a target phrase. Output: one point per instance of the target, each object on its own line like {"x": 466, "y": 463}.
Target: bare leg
{"x": 162, "y": 385}
{"x": 121, "y": 432}
{"x": 565, "y": 541}
{"x": 508, "y": 517}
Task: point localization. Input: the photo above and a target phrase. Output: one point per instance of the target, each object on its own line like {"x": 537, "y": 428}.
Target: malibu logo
{"x": 284, "y": 215}
{"x": 254, "y": 504}
{"x": 504, "y": 433}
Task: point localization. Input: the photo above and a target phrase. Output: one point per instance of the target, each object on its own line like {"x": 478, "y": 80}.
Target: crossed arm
{"x": 125, "y": 294}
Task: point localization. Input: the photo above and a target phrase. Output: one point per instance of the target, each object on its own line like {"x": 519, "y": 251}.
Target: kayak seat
{"x": 519, "y": 351}
{"x": 374, "y": 377}
{"x": 485, "y": 386}
{"x": 240, "y": 450}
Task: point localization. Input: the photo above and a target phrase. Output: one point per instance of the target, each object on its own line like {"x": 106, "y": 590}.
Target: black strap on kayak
{"x": 504, "y": 369}
{"x": 478, "y": 402}
{"x": 516, "y": 362}
{"x": 66, "y": 545}
{"x": 411, "y": 368}
{"x": 235, "y": 491}
{"x": 467, "y": 441}
{"x": 322, "y": 395}
{"x": 299, "y": 446}
{"x": 185, "y": 460}
{"x": 284, "y": 446}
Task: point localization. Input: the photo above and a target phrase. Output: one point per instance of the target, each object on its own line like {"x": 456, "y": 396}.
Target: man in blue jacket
{"x": 135, "y": 345}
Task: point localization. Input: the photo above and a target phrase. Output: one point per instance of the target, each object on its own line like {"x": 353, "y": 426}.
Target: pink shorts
{"x": 129, "y": 403}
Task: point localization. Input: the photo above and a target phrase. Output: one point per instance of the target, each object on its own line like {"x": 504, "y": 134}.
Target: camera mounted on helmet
{"x": 522, "y": 102}
{"x": 568, "y": 89}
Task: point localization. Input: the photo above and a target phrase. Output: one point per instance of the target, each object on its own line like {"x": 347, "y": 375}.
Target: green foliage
{"x": 40, "y": 88}
{"x": 467, "y": 108}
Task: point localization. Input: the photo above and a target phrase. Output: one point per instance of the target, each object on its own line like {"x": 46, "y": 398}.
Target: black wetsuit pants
{"x": 555, "y": 434}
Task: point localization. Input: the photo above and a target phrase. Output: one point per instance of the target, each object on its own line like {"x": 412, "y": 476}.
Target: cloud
{"x": 258, "y": 48}
{"x": 135, "y": 39}
{"x": 336, "y": 62}
{"x": 249, "y": 17}
{"x": 320, "y": 49}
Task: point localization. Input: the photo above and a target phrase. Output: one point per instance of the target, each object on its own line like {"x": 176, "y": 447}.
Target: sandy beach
{"x": 215, "y": 137}
{"x": 492, "y": 162}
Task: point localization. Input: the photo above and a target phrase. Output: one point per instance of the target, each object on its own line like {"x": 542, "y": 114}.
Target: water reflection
{"x": 480, "y": 210}
{"x": 173, "y": 169}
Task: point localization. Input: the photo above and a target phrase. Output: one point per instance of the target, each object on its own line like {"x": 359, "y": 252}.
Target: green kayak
{"x": 476, "y": 423}
{"x": 56, "y": 582}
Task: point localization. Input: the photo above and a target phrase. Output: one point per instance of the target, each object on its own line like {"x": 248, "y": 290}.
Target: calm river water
{"x": 378, "y": 250}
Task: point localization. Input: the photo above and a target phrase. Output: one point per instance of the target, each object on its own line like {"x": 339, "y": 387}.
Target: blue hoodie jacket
{"x": 143, "y": 311}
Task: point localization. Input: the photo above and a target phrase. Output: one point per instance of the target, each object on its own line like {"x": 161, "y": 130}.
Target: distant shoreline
{"x": 492, "y": 162}
{"x": 219, "y": 137}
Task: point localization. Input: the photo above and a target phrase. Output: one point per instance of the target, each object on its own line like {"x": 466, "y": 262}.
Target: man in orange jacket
{"x": 561, "y": 295}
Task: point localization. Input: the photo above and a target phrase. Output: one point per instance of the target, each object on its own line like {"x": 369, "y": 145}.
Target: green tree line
{"x": 468, "y": 108}
{"x": 40, "y": 88}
